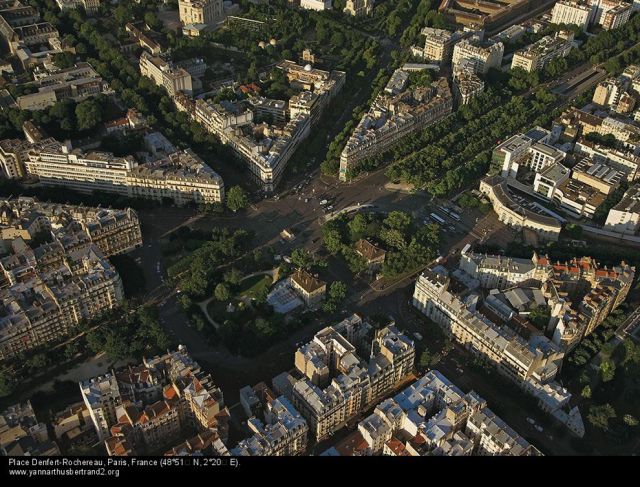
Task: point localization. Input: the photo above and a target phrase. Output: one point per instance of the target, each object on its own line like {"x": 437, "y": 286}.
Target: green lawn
{"x": 253, "y": 286}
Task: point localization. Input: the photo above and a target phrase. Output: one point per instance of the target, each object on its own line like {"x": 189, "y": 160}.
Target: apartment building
{"x": 438, "y": 44}
{"x": 272, "y": 111}
{"x": 284, "y": 432}
{"x": 482, "y": 57}
{"x": 337, "y": 384}
{"x": 433, "y": 417}
{"x": 14, "y": 153}
{"x": 112, "y": 231}
{"x": 101, "y": 396}
{"x": 524, "y": 150}
{"x": 624, "y": 217}
{"x": 173, "y": 79}
{"x": 574, "y": 123}
{"x": 393, "y": 116}
{"x": 572, "y": 12}
{"x": 181, "y": 177}
{"x": 359, "y": 8}
{"x": 515, "y": 215}
{"x": 500, "y": 272}
{"x": 537, "y": 55}
{"x": 62, "y": 166}
{"x": 467, "y": 85}
{"x": 143, "y": 39}
{"x": 611, "y": 14}
{"x": 608, "y": 92}
{"x": 73, "y": 426}
{"x": 77, "y": 83}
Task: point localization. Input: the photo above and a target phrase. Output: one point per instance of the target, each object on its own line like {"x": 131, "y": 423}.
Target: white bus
{"x": 437, "y": 219}
{"x": 455, "y": 216}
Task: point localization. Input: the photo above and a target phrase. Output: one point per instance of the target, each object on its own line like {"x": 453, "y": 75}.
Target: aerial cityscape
{"x": 317, "y": 228}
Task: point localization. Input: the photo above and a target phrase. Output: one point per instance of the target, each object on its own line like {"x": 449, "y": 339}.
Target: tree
{"x": 64, "y": 60}
{"x": 599, "y": 416}
{"x": 222, "y": 292}
{"x": 88, "y": 115}
{"x": 607, "y": 370}
{"x": 233, "y": 276}
{"x": 337, "y": 291}
{"x": 630, "y": 420}
{"x": 7, "y": 384}
{"x": 302, "y": 259}
{"x": 237, "y": 199}
{"x": 574, "y": 231}
{"x": 586, "y": 392}
{"x": 71, "y": 350}
{"x": 425, "y": 358}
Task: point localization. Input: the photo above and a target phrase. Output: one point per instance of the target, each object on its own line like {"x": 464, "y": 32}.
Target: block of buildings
{"x": 581, "y": 190}
{"x": 48, "y": 291}
{"x": 21, "y": 434}
{"x": 337, "y": 384}
{"x": 27, "y": 37}
{"x": 181, "y": 177}
{"x": 77, "y": 83}
{"x": 433, "y": 417}
{"x": 148, "y": 409}
{"x": 531, "y": 364}
{"x": 90, "y": 6}
{"x": 265, "y": 147}
{"x": 112, "y": 231}
{"x": 394, "y": 114}
{"x": 490, "y": 15}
